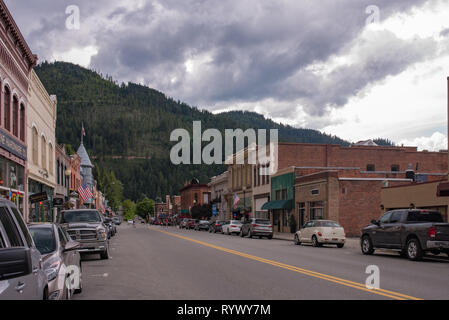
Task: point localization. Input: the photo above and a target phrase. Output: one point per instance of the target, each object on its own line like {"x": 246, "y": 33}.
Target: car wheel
{"x": 260, "y": 237}
{"x": 367, "y": 245}
{"x": 340, "y": 245}
{"x": 241, "y": 234}
{"x": 414, "y": 250}
{"x": 270, "y": 237}
{"x": 250, "y": 235}
{"x": 315, "y": 242}
{"x": 297, "y": 242}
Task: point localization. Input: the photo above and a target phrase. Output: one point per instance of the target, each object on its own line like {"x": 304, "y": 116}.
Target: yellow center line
{"x": 348, "y": 283}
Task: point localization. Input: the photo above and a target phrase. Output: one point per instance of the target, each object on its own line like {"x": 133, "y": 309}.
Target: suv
{"x": 87, "y": 227}
{"x": 411, "y": 232}
{"x": 257, "y": 227}
{"x": 21, "y": 272}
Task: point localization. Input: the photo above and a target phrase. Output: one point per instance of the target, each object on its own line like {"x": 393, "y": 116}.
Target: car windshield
{"x": 204, "y": 221}
{"x": 235, "y": 222}
{"x": 44, "y": 239}
{"x": 80, "y": 216}
{"x": 262, "y": 221}
{"x": 332, "y": 224}
{"x": 424, "y": 216}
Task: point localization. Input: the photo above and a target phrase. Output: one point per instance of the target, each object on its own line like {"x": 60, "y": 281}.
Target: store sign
{"x": 38, "y": 197}
{"x": 16, "y": 148}
{"x": 214, "y": 209}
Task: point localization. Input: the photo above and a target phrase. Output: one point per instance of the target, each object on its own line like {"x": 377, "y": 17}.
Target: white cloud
{"x": 437, "y": 141}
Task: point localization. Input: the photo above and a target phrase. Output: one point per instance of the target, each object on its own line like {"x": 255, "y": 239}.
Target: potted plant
{"x": 292, "y": 223}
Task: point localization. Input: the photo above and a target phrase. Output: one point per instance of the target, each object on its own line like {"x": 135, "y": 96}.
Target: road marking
{"x": 348, "y": 283}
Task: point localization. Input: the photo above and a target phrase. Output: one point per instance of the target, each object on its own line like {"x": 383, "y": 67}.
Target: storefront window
{"x": 2, "y": 172}
{"x": 12, "y": 175}
{"x": 316, "y": 210}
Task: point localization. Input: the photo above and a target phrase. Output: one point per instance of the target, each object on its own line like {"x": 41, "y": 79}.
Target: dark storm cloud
{"x": 240, "y": 51}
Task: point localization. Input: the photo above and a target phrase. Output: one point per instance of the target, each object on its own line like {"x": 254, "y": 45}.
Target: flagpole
{"x": 82, "y": 131}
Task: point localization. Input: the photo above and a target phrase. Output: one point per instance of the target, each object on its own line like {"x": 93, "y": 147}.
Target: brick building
{"x": 193, "y": 194}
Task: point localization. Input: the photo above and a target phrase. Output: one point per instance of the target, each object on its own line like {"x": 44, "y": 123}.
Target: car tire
{"x": 241, "y": 234}
{"x": 270, "y": 237}
{"x": 250, "y": 235}
{"x": 414, "y": 250}
{"x": 367, "y": 245}
{"x": 340, "y": 245}
{"x": 297, "y": 242}
{"x": 315, "y": 242}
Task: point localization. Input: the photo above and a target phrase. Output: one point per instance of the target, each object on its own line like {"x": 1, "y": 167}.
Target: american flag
{"x": 85, "y": 193}
{"x": 236, "y": 200}
{"x": 83, "y": 132}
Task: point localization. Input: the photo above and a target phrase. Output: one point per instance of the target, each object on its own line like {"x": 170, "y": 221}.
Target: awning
{"x": 443, "y": 189}
{"x": 278, "y": 204}
{"x": 185, "y": 211}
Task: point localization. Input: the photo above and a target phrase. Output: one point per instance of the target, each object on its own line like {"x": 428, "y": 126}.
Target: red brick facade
{"x": 194, "y": 194}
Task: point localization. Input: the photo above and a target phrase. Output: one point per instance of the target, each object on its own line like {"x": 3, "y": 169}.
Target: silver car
{"x": 21, "y": 270}
{"x": 62, "y": 262}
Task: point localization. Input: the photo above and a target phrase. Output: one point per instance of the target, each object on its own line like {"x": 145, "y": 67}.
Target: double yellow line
{"x": 344, "y": 282}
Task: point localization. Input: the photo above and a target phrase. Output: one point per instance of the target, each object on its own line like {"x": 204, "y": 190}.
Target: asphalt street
{"x": 153, "y": 262}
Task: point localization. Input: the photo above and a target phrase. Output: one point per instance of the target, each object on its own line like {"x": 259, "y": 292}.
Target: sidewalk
{"x": 350, "y": 242}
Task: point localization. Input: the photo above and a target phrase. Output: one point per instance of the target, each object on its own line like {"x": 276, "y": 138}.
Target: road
{"x": 153, "y": 262}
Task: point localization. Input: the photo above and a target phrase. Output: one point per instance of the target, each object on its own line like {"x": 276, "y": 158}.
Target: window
{"x": 396, "y": 217}
{"x": 255, "y": 176}
{"x": 424, "y": 216}
{"x": 385, "y": 218}
{"x": 57, "y": 173}
{"x": 44, "y": 153}
{"x": 301, "y": 213}
{"x": 22, "y": 226}
{"x": 7, "y": 112}
{"x": 258, "y": 175}
{"x": 370, "y": 167}
{"x": 316, "y": 210}
{"x": 395, "y": 167}
{"x": 315, "y": 192}
{"x": 62, "y": 237}
{"x": 10, "y": 228}
{"x": 22, "y": 122}
{"x": 2, "y": 243}
{"x": 50, "y": 159}
{"x": 15, "y": 116}
{"x": 35, "y": 145}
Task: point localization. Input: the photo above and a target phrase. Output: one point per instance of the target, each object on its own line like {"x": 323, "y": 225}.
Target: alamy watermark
{"x": 373, "y": 280}
{"x": 189, "y": 150}
{"x": 72, "y": 22}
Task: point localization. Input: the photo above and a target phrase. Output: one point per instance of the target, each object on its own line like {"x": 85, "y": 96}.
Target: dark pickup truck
{"x": 411, "y": 232}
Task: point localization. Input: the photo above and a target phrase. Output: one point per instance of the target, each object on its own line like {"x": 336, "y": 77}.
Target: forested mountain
{"x": 123, "y": 121}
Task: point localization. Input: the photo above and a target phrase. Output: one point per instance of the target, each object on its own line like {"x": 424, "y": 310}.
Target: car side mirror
{"x": 16, "y": 262}
{"x": 71, "y": 245}
{"x": 375, "y": 222}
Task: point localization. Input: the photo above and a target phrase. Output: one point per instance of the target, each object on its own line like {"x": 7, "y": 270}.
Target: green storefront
{"x": 40, "y": 210}
{"x": 282, "y": 199}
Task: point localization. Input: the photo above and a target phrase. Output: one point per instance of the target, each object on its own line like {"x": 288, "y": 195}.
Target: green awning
{"x": 278, "y": 204}
{"x": 185, "y": 211}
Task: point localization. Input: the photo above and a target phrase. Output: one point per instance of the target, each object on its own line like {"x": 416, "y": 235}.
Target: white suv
{"x": 21, "y": 273}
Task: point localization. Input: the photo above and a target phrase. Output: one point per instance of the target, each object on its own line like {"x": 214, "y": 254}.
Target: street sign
{"x": 214, "y": 209}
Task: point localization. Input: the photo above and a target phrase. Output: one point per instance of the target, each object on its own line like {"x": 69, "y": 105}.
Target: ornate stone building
{"x": 86, "y": 170}
{"x": 16, "y": 63}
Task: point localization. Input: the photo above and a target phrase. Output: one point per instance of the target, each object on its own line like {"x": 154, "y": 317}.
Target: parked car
{"x": 215, "y": 227}
{"x": 59, "y": 255}
{"x": 110, "y": 227}
{"x": 411, "y": 232}
{"x": 202, "y": 225}
{"x": 117, "y": 220}
{"x": 319, "y": 232}
{"x": 130, "y": 221}
{"x": 22, "y": 275}
{"x": 183, "y": 224}
{"x": 257, "y": 227}
{"x": 87, "y": 227}
{"x": 231, "y": 226}
{"x": 190, "y": 224}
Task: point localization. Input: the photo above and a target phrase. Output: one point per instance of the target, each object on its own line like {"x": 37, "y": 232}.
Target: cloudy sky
{"x": 357, "y": 69}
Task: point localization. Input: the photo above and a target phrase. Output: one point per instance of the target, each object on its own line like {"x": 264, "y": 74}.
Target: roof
{"x": 85, "y": 160}
{"x": 18, "y": 37}
{"x": 369, "y": 142}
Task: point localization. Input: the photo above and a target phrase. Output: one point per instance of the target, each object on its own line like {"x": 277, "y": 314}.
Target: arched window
{"x": 15, "y": 116}
{"x": 44, "y": 153}
{"x": 7, "y": 112}
{"x": 22, "y": 122}
{"x": 35, "y": 145}
{"x": 50, "y": 159}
